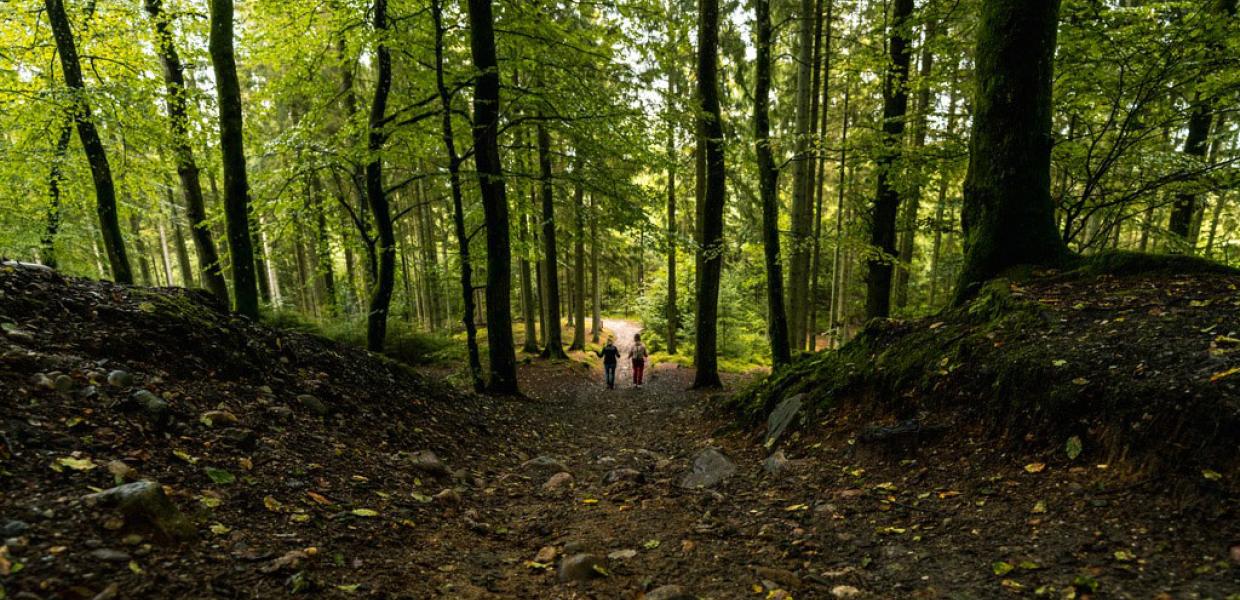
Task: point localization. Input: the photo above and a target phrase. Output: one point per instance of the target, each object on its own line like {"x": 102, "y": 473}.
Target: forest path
{"x": 627, "y": 450}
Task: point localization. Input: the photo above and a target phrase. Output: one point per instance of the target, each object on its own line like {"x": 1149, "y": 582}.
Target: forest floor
{"x": 344, "y": 503}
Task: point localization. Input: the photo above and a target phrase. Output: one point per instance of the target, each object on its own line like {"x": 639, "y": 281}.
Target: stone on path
{"x": 546, "y": 555}
{"x": 783, "y": 415}
{"x": 776, "y": 463}
{"x": 845, "y": 591}
{"x": 109, "y": 555}
{"x": 145, "y": 501}
{"x": 312, "y": 404}
{"x": 668, "y": 592}
{"x": 625, "y": 554}
{"x": 580, "y": 567}
{"x": 152, "y": 405}
{"x": 119, "y": 378}
{"x": 543, "y": 465}
{"x": 557, "y": 482}
{"x": 710, "y": 467}
{"x": 428, "y": 462}
{"x": 622, "y": 474}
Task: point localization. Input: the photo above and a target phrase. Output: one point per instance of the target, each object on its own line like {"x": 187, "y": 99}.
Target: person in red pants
{"x": 638, "y": 355}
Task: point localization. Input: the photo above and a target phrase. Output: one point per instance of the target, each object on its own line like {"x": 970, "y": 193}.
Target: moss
{"x": 1119, "y": 262}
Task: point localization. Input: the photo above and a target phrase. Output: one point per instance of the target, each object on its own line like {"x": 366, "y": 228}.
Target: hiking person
{"x": 638, "y": 355}
{"x": 611, "y": 356}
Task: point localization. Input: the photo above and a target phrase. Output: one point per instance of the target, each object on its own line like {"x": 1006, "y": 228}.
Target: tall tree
{"x": 1008, "y": 216}
{"x": 912, "y": 203}
{"x": 494, "y": 199}
{"x": 183, "y": 154}
{"x": 887, "y": 198}
{"x": 579, "y": 268}
{"x": 376, "y": 194}
{"x": 96, "y": 155}
{"x": 553, "y": 335}
{"x": 710, "y": 215}
{"x": 777, "y": 320}
{"x": 801, "y": 244}
{"x": 232, "y": 150}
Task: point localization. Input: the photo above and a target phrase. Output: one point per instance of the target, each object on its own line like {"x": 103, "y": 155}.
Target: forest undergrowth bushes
{"x": 1135, "y": 359}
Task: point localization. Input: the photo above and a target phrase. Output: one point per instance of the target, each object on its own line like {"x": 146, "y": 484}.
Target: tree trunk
{"x": 887, "y": 197}
{"x": 815, "y": 292}
{"x": 673, "y": 317}
{"x": 579, "y": 270}
{"x": 912, "y": 204}
{"x": 1185, "y": 207}
{"x": 376, "y": 195}
{"x": 777, "y": 320}
{"x": 597, "y": 325}
{"x": 837, "y": 280}
{"x": 710, "y": 242}
{"x": 232, "y": 150}
{"x": 1008, "y": 216}
{"x": 494, "y": 200}
{"x": 322, "y": 246}
{"x": 96, "y": 156}
{"x": 178, "y": 238}
{"x": 554, "y": 344}
{"x": 458, "y": 209}
{"x": 798, "y": 275}
{"x": 183, "y": 154}
{"x": 47, "y": 244}
{"x": 941, "y": 206}
{"x": 139, "y": 246}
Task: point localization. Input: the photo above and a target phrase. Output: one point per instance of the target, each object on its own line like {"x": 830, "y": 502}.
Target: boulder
{"x": 154, "y": 406}
{"x": 428, "y": 462}
{"x": 313, "y": 405}
{"x": 557, "y": 482}
{"x": 543, "y": 465}
{"x": 119, "y": 378}
{"x": 778, "y": 421}
{"x": 145, "y": 501}
{"x": 710, "y": 467}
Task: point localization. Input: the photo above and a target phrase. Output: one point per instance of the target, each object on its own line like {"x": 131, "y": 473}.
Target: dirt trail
{"x": 838, "y": 521}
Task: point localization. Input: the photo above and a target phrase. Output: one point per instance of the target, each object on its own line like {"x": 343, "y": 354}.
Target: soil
{"x": 334, "y": 507}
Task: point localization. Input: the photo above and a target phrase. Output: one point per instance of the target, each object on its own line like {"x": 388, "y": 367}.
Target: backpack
{"x": 639, "y": 351}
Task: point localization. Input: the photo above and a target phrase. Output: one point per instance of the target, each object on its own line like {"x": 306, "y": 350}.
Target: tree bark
{"x": 183, "y": 154}
{"x": 92, "y": 145}
{"x": 912, "y": 204}
{"x": 1185, "y": 207}
{"x": 710, "y": 242}
{"x": 494, "y": 199}
{"x": 47, "y": 243}
{"x": 1008, "y": 217}
{"x": 777, "y": 320}
{"x": 579, "y": 269}
{"x": 887, "y": 197}
{"x": 798, "y": 275}
{"x": 376, "y": 195}
{"x": 553, "y": 334}
{"x": 673, "y": 316}
{"x": 596, "y": 326}
{"x": 941, "y": 206}
{"x": 178, "y": 238}
{"x": 837, "y": 278}
{"x": 232, "y": 150}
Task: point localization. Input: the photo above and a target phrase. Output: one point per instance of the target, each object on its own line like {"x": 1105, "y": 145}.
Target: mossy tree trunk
{"x": 1008, "y": 217}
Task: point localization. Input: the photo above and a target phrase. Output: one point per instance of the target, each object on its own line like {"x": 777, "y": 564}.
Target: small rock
{"x": 20, "y": 335}
{"x": 574, "y": 547}
{"x": 215, "y": 418}
{"x": 119, "y": 378}
{"x": 1235, "y": 554}
{"x": 237, "y": 437}
{"x": 62, "y": 383}
{"x": 265, "y": 390}
{"x": 313, "y": 405}
{"x": 428, "y": 462}
{"x": 282, "y": 413}
{"x": 557, "y": 482}
{"x": 544, "y": 465}
{"x": 776, "y": 463}
{"x": 669, "y": 592}
{"x": 845, "y": 591}
{"x": 122, "y": 470}
{"x": 622, "y": 474}
{"x": 145, "y": 501}
{"x": 41, "y": 380}
{"x": 783, "y": 577}
{"x": 545, "y": 555}
{"x": 710, "y": 467}
{"x": 14, "y": 528}
{"x": 110, "y": 555}
{"x": 449, "y": 496}
{"x": 580, "y": 567}
{"x": 152, "y": 405}
{"x": 780, "y": 418}
{"x": 625, "y": 554}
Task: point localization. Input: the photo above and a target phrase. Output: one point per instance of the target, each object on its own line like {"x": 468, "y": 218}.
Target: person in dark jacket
{"x": 611, "y": 356}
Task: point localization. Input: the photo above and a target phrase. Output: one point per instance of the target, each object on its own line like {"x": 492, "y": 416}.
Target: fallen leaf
{"x": 77, "y": 464}
{"x": 1073, "y": 447}
{"x": 220, "y": 529}
{"x": 1035, "y": 467}
{"x": 220, "y": 476}
{"x": 365, "y": 512}
{"x": 1002, "y": 568}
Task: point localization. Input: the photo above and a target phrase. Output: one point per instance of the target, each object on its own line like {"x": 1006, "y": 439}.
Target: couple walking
{"x": 611, "y": 356}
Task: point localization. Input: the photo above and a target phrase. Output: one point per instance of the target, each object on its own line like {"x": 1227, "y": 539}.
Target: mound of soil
{"x": 1139, "y": 371}
{"x": 270, "y": 442}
